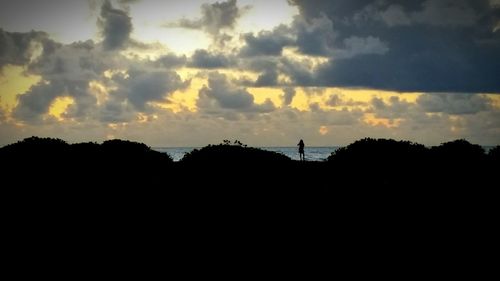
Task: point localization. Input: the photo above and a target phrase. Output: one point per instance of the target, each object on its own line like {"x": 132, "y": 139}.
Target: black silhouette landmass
{"x": 371, "y": 162}
{"x": 370, "y": 177}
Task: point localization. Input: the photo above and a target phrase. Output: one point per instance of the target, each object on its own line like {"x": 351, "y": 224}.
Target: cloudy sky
{"x": 265, "y": 72}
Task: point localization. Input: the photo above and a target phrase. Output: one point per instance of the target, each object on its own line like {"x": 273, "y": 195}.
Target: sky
{"x": 265, "y": 72}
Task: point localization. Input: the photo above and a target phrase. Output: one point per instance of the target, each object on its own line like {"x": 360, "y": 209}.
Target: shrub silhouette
{"x": 86, "y": 150}
{"x": 36, "y": 145}
{"x": 494, "y": 154}
{"x": 132, "y": 155}
{"x": 369, "y": 162}
{"x": 458, "y": 152}
{"x": 35, "y": 151}
{"x": 47, "y": 153}
{"x": 229, "y": 154}
{"x": 373, "y": 152}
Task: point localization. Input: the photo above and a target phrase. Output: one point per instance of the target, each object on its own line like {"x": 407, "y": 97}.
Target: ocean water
{"x": 311, "y": 153}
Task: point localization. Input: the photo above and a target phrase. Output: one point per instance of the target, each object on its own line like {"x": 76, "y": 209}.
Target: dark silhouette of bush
{"x": 458, "y": 152}
{"x": 369, "y": 162}
{"x": 57, "y": 155}
{"x": 228, "y": 154}
{"x": 373, "y": 152}
{"x": 86, "y": 150}
{"x": 36, "y": 145}
{"x": 36, "y": 150}
{"x": 368, "y": 180}
{"x": 457, "y": 164}
{"x": 494, "y": 154}
{"x": 377, "y": 162}
{"x": 120, "y": 150}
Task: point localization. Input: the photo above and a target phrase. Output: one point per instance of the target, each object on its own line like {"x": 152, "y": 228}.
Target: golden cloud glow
{"x": 239, "y": 74}
{"x": 143, "y": 118}
{"x": 13, "y": 82}
{"x": 300, "y": 101}
{"x": 323, "y": 130}
{"x": 350, "y": 99}
{"x": 370, "y": 119}
{"x": 293, "y": 54}
{"x": 100, "y": 91}
{"x": 186, "y": 99}
{"x": 495, "y": 100}
{"x": 262, "y": 94}
{"x": 59, "y": 107}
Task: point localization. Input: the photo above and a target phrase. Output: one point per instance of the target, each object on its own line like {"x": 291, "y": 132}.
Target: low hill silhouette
{"x": 229, "y": 154}
{"x": 358, "y": 186}
{"x": 458, "y": 152}
{"x": 402, "y": 163}
{"x": 494, "y": 155}
{"x": 366, "y": 162}
{"x": 54, "y": 159}
{"x": 375, "y": 152}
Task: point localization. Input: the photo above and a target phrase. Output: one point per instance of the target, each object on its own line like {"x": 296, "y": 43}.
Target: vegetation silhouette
{"x": 379, "y": 151}
{"x": 234, "y": 168}
{"x": 359, "y": 184}
{"x": 387, "y": 162}
{"x": 367, "y": 163}
{"x": 494, "y": 155}
{"x": 458, "y": 152}
{"x": 230, "y": 154}
{"x": 54, "y": 160}
{"x": 373, "y": 162}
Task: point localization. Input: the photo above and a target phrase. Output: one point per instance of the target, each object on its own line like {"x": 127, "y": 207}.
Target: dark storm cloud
{"x": 116, "y": 111}
{"x": 37, "y": 100}
{"x": 266, "y": 43}
{"x": 393, "y": 108}
{"x": 221, "y": 94}
{"x": 425, "y": 45}
{"x": 65, "y": 71}
{"x": 171, "y": 61}
{"x": 267, "y": 78}
{"x": 75, "y": 61}
{"x": 299, "y": 72}
{"x": 315, "y": 36}
{"x": 267, "y": 67}
{"x": 116, "y": 26}
{"x": 126, "y": 2}
{"x": 226, "y": 95}
{"x": 17, "y": 48}
{"x": 457, "y": 13}
{"x": 454, "y": 103}
{"x": 338, "y": 100}
{"x": 204, "y": 59}
{"x": 288, "y": 95}
{"x": 143, "y": 86}
{"x": 214, "y": 17}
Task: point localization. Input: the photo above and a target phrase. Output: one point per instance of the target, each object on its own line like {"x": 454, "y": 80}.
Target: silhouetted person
{"x": 301, "y": 150}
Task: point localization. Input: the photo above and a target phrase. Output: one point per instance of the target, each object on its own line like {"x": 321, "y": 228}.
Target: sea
{"x": 311, "y": 153}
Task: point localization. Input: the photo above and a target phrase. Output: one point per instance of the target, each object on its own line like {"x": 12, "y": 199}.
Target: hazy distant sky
{"x": 190, "y": 73}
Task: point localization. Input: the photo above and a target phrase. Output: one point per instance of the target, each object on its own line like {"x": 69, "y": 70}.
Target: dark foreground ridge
{"x": 359, "y": 188}
{"x": 231, "y": 172}
{"x": 364, "y": 163}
